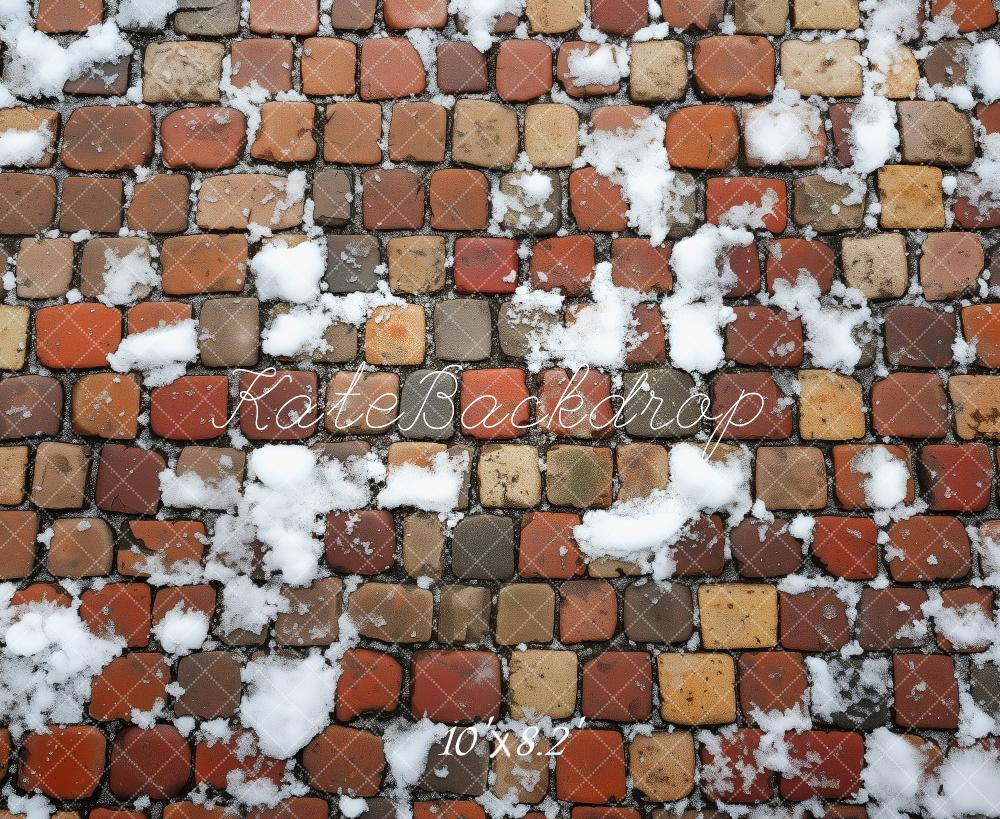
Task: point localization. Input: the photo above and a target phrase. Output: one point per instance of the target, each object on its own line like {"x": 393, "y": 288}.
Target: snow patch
{"x": 181, "y": 630}
{"x": 289, "y": 273}
{"x": 887, "y": 480}
{"x": 601, "y": 334}
{"x": 604, "y": 65}
{"x": 49, "y": 658}
{"x": 783, "y": 130}
{"x": 436, "y": 488}
{"x": 636, "y": 160}
{"x": 407, "y": 747}
{"x": 644, "y": 529}
{"x": 147, "y": 14}
{"x": 160, "y": 353}
{"x": 127, "y": 278}
{"x": 834, "y": 324}
{"x": 20, "y": 148}
{"x": 300, "y": 330}
{"x": 480, "y": 17}
{"x": 287, "y": 701}
{"x": 37, "y": 65}
{"x": 984, "y": 69}
{"x": 290, "y": 491}
{"x": 694, "y": 313}
{"x": 873, "y": 136}
{"x": 191, "y": 491}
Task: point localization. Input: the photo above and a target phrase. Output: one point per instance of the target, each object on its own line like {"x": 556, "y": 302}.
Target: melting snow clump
{"x": 642, "y": 530}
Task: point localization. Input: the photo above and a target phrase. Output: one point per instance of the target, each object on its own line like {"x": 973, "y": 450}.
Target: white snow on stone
{"x": 295, "y": 189}
{"x": 988, "y": 549}
{"x": 873, "y": 136}
{"x": 160, "y": 353}
{"x": 963, "y": 351}
{"x": 545, "y": 301}
{"x": 181, "y": 630}
{"x": 245, "y": 604}
{"x": 887, "y": 24}
{"x": 825, "y": 694}
{"x": 287, "y": 701}
{"x": 352, "y": 807}
{"x": 127, "y": 278}
{"x": 407, "y": 747}
{"x": 694, "y": 313}
{"x": 654, "y": 31}
{"x": 772, "y": 753}
{"x": 694, "y": 334}
{"x": 885, "y": 486}
{"x": 958, "y": 95}
{"x": 191, "y": 491}
{"x": 966, "y": 626}
{"x": 600, "y": 335}
{"x": 481, "y": 15}
{"x": 48, "y": 660}
{"x": 636, "y": 160}
{"x": 34, "y": 806}
{"x": 783, "y": 130}
{"x": 973, "y": 722}
{"x": 289, "y": 273}
{"x": 982, "y": 183}
{"x": 290, "y": 491}
{"x": 894, "y": 774}
{"x": 19, "y": 148}
{"x": 293, "y": 492}
{"x": 147, "y": 14}
{"x": 261, "y": 792}
{"x": 772, "y": 750}
{"x": 829, "y": 692}
{"x": 802, "y": 528}
{"x": 717, "y": 775}
{"x": 300, "y": 330}
{"x": 532, "y": 192}
{"x": 834, "y": 323}
{"x": 942, "y": 24}
{"x": 967, "y": 783}
{"x": 984, "y": 69}
{"x": 246, "y": 99}
{"x": 605, "y": 65}
{"x": 899, "y": 781}
{"x": 432, "y": 489}
{"x": 588, "y": 33}
{"x": 38, "y": 65}
{"x": 536, "y": 188}
{"x": 643, "y": 530}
